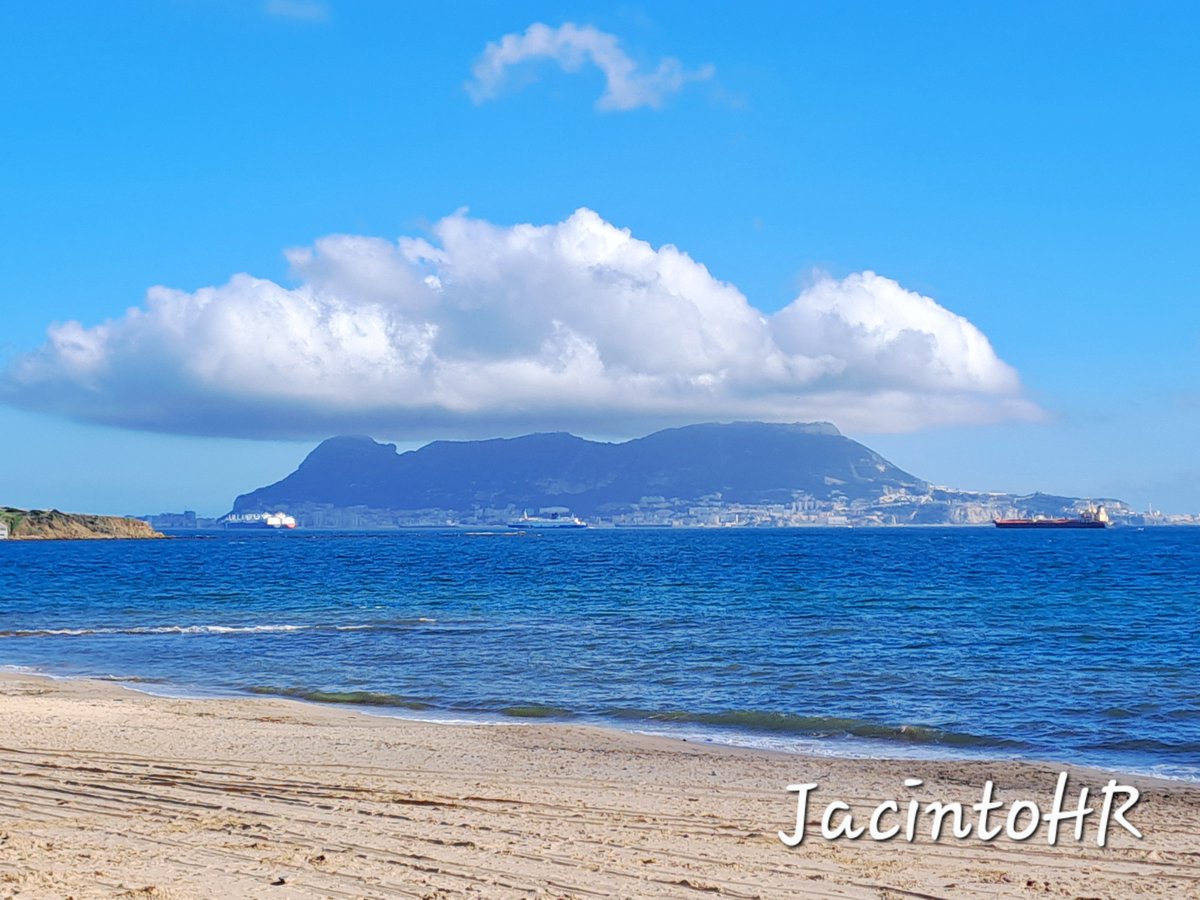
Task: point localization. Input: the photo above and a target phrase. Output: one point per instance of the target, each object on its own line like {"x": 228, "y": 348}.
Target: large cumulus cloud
{"x": 487, "y": 330}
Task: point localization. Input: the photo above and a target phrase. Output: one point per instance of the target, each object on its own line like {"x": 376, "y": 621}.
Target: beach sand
{"x": 109, "y": 792}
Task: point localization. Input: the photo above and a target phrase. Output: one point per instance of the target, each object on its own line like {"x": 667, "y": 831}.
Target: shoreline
{"x": 685, "y": 731}
{"x": 845, "y": 747}
{"x": 109, "y": 789}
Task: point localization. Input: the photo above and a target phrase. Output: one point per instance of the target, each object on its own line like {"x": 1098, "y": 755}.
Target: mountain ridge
{"x": 711, "y": 474}
{"x": 744, "y": 462}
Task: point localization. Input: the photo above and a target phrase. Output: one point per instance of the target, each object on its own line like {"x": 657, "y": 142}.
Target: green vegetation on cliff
{"x": 50, "y": 524}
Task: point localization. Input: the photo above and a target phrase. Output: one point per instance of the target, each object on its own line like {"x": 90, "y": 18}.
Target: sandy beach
{"x": 109, "y": 792}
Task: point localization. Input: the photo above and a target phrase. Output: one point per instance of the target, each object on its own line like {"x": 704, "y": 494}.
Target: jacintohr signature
{"x": 1023, "y": 820}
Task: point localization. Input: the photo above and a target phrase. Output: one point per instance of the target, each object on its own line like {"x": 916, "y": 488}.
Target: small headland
{"x": 50, "y": 524}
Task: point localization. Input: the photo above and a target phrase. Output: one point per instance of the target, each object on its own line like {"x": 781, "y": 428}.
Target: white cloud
{"x": 490, "y": 330}
{"x": 305, "y": 10}
{"x": 571, "y": 46}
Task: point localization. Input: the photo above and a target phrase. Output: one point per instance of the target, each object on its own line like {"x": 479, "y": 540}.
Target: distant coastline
{"x": 709, "y": 475}
{"x": 357, "y": 521}
{"x": 50, "y": 524}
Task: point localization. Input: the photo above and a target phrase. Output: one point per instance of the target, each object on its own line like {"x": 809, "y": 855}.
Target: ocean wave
{"x": 536, "y": 711}
{"x": 743, "y": 722}
{"x": 1190, "y": 749}
{"x": 349, "y": 698}
{"x": 211, "y": 629}
{"x": 758, "y": 721}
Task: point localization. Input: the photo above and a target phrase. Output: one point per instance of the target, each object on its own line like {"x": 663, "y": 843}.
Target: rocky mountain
{"x": 750, "y": 463}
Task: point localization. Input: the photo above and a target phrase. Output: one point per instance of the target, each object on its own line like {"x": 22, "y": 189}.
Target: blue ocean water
{"x": 1067, "y": 646}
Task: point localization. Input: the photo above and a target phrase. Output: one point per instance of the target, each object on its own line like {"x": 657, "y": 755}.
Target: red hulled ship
{"x": 1089, "y": 518}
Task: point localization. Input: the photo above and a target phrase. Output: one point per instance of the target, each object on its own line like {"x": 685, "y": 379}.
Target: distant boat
{"x": 274, "y": 520}
{"x": 1089, "y": 518}
{"x": 551, "y": 520}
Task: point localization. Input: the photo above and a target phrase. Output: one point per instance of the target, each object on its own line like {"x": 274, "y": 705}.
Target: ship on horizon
{"x": 258, "y": 520}
{"x": 557, "y": 518}
{"x": 1092, "y": 517}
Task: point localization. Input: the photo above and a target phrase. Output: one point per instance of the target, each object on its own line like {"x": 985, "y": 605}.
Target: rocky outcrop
{"x": 50, "y": 524}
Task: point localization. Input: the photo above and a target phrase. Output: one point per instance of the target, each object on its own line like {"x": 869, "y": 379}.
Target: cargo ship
{"x": 1089, "y": 518}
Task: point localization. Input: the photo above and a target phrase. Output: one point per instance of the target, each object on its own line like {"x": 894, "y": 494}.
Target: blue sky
{"x": 1034, "y": 169}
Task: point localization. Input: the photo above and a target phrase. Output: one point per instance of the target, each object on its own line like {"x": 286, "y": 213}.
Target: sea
{"x": 1075, "y": 647}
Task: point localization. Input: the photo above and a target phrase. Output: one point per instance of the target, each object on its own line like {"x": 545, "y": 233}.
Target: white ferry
{"x": 259, "y": 520}
{"x": 548, "y": 520}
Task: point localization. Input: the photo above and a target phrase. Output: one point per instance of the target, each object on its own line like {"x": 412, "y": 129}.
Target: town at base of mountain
{"x": 712, "y": 475}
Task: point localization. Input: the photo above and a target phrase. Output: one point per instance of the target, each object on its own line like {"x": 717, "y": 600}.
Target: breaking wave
{"x": 536, "y": 711}
{"x": 349, "y": 698}
{"x": 395, "y": 625}
{"x": 755, "y": 721}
